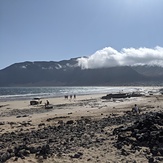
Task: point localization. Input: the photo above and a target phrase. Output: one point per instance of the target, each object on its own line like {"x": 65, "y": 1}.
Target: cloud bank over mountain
{"x": 109, "y": 57}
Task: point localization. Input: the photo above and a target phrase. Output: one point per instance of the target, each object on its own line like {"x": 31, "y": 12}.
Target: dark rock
{"x": 124, "y": 152}
{"x": 33, "y": 150}
{"x": 25, "y": 115}
{"x": 44, "y": 156}
{"x": 159, "y": 159}
{"x": 10, "y": 150}
{"x": 18, "y": 116}
{"x": 60, "y": 122}
{"x": 5, "y": 156}
{"x": 41, "y": 124}
{"x": 2, "y": 123}
{"x": 77, "y": 155}
{"x": 121, "y": 95}
{"x": 151, "y": 160}
{"x": 63, "y": 138}
{"x": 146, "y": 132}
{"x": 70, "y": 122}
{"x": 16, "y": 159}
{"x": 44, "y": 151}
{"x": 26, "y": 153}
{"x": 160, "y": 150}
{"x": 116, "y": 95}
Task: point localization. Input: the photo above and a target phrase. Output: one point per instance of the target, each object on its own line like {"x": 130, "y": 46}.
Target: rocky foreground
{"x": 134, "y": 134}
{"x": 146, "y": 132}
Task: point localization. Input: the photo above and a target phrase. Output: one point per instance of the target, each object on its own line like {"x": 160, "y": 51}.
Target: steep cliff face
{"x": 68, "y": 73}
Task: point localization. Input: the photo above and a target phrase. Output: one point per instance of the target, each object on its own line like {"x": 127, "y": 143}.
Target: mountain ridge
{"x": 68, "y": 73}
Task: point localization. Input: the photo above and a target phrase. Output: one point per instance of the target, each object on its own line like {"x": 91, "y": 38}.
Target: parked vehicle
{"x": 35, "y": 101}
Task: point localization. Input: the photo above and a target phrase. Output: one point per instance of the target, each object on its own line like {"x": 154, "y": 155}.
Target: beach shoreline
{"x": 20, "y": 117}
{"x": 28, "y": 93}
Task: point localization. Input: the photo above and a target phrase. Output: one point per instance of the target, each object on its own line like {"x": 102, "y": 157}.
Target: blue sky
{"x": 53, "y": 30}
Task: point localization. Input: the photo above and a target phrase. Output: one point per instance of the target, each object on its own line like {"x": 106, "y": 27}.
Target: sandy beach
{"x": 74, "y": 130}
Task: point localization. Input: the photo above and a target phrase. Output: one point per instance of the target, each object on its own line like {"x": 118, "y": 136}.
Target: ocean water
{"x": 18, "y": 93}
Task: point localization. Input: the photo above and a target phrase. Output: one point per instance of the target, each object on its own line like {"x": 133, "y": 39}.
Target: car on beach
{"x": 35, "y": 101}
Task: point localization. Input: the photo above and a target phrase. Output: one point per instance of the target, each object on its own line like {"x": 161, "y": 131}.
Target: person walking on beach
{"x": 70, "y": 97}
{"x": 74, "y": 96}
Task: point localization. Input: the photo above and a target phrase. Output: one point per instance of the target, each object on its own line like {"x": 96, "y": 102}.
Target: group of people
{"x": 66, "y": 96}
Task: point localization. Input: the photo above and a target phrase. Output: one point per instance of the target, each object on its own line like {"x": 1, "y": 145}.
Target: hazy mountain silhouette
{"x": 68, "y": 73}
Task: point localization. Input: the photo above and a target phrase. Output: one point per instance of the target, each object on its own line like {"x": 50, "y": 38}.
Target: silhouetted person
{"x": 47, "y": 102}
{"x": 136, "y": 109}
{"x": 70, "y": 96}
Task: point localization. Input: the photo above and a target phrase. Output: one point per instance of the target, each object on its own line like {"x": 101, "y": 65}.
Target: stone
{"x": 5, "y": 156}
{"x": 77, "y": 155}
{"x": 146, "y": 132}
{"x": 70, "y": 122}
{"x": 2, "y": 123}
{"x": 18, "y": 116}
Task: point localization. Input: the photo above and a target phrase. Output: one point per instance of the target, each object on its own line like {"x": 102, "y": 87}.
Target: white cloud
{"x": 109, "y": 57}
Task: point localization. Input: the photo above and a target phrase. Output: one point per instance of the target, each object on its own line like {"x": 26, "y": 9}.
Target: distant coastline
{"x": 24, "y": 93}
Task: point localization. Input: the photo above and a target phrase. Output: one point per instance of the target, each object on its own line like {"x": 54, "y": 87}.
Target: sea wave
{"x": 17, "y": 93}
